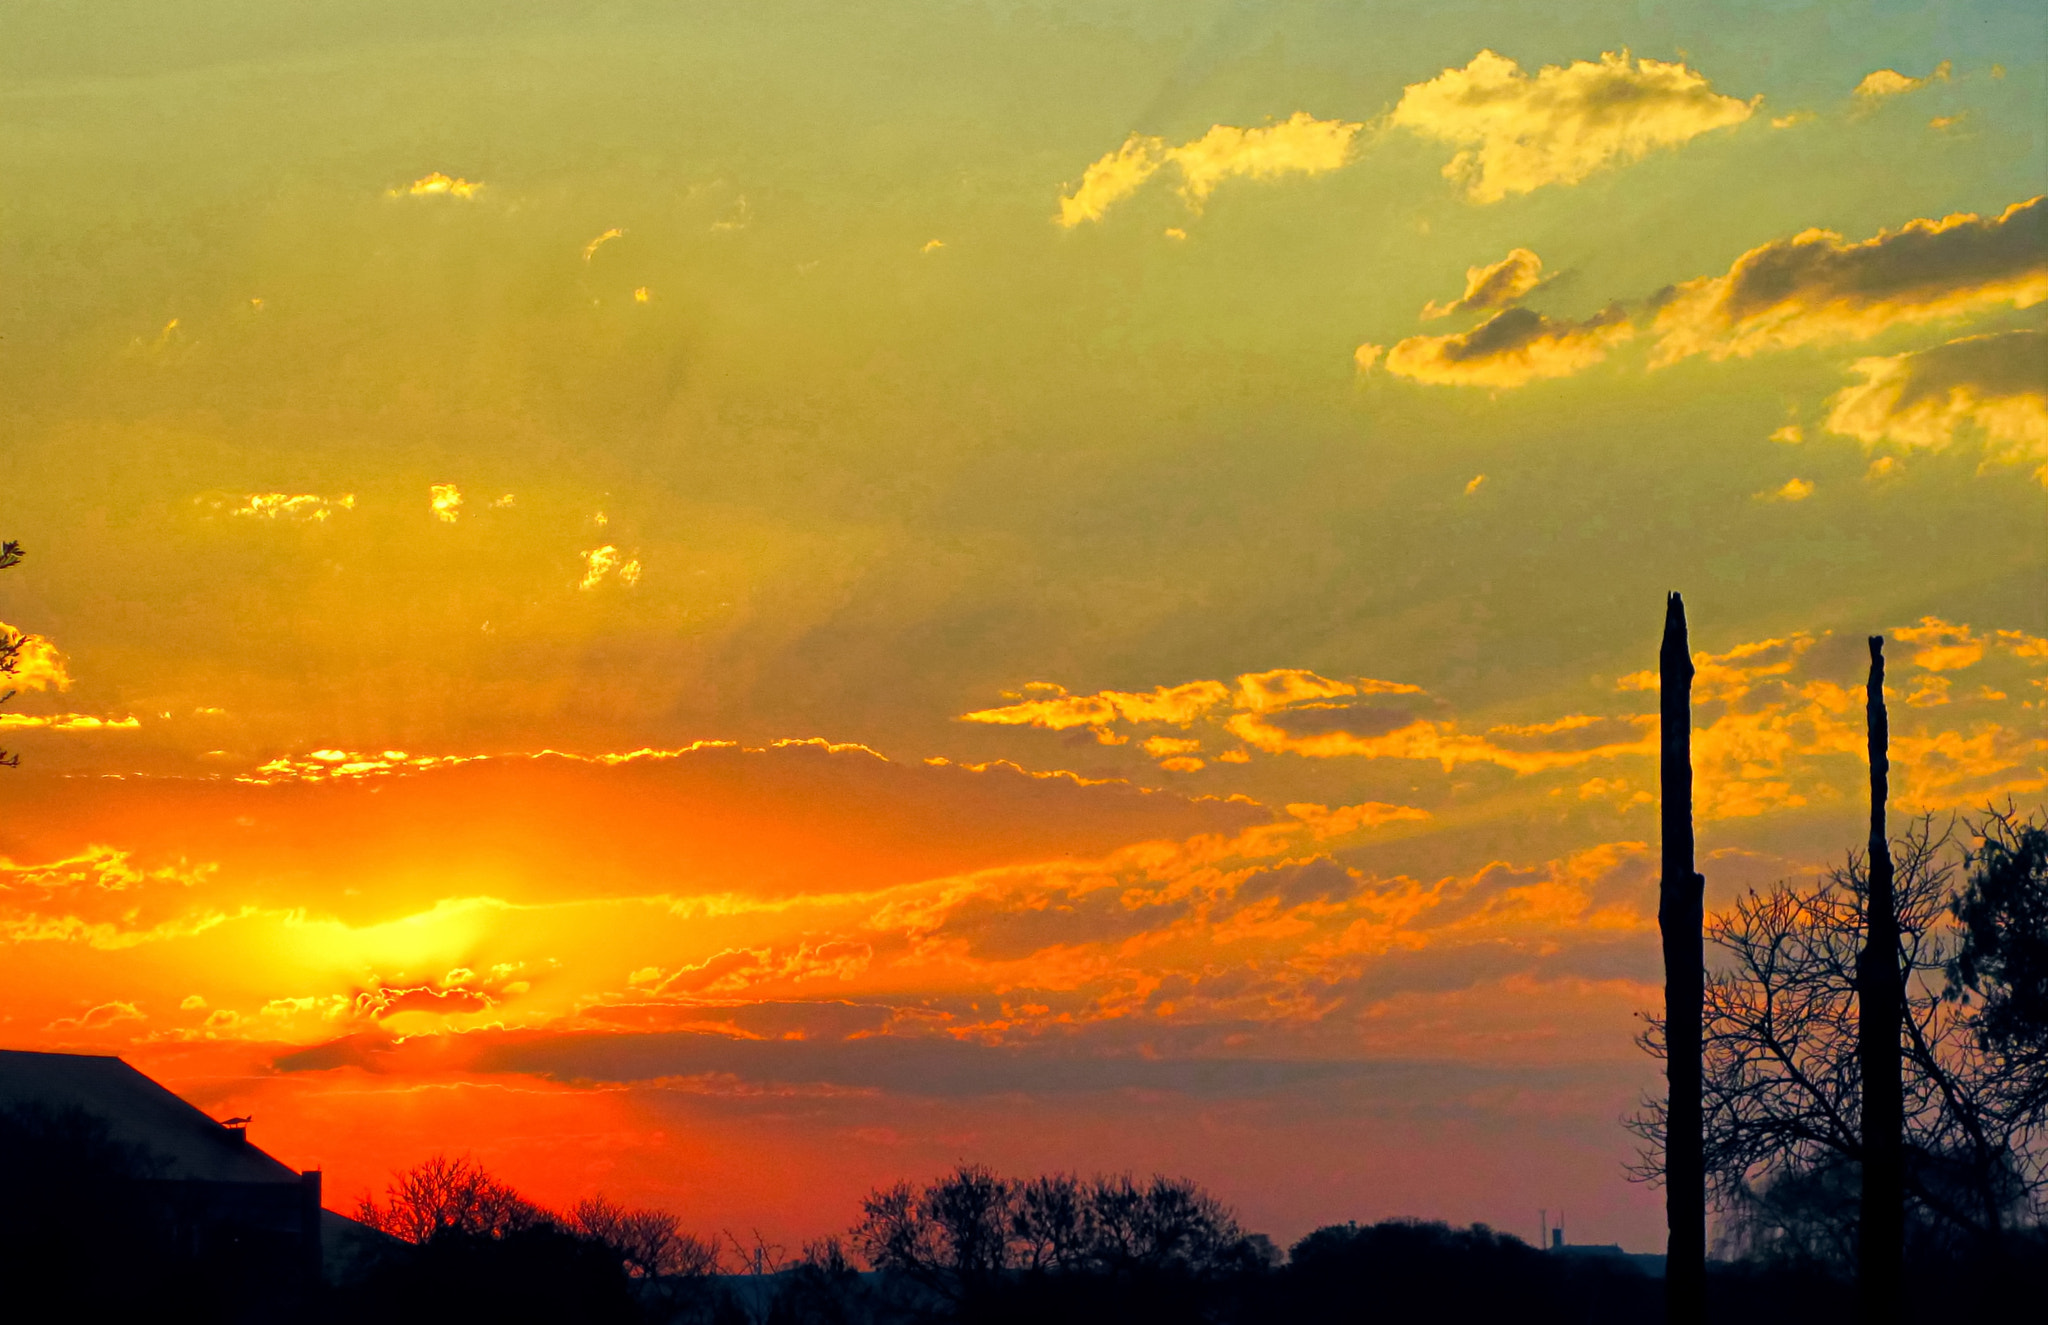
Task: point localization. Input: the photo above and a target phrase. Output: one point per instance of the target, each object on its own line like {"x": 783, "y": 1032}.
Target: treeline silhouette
{"x": 975, "y": 1248}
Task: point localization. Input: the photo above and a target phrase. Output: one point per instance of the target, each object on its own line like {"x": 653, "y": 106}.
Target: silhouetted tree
{"x": 1880, "y": 1017}
{"x": 1783, "y": 1081}
{"x": 443, "y": 1195}
{"x": 533, "y": 1275}
{"x": 12, "y": 642}
{"x": 649, "y": 1243}
{"x": 1407, "y": 1270}
{"x": 963, "y": 1235}
{"x": 2001, "y": 964}
{"x": 1680, "y": 917}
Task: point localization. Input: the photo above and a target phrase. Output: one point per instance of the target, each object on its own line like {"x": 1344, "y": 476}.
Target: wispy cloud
{"x": 303, "y": 506}
{"x": 1300, "y": 144}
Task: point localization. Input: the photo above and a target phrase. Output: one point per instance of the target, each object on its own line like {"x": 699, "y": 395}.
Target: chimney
{"x": 1557, "y": 1238}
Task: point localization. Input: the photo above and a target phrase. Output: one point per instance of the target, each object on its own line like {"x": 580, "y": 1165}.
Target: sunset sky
{"x": 727, "y": 602}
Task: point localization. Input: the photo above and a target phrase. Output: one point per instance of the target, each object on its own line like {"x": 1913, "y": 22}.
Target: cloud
{"x": 1443, "y": 743}
{"x": 98, "y": 1018}
{"x": 438, "y": 185}
{"x": 1300, "y": 144}
{"x": 1794, "y": 489}
{"x": 590, "y": 249}
{"x": 103, "y": 898}
{"x": 1882, "y": 83}
{"x": 1779, "y": 723}
{"x": 30, "y": 662}
{"x": 1059, "y": 710}
{"x": 602, "y": 561}
{"x": 1816, "y": 288}
{"x": 1325, "y": 823}
{"x": 1510, "y": 349}
{"x": 304, "y": 506}
{"x": 1518, "y": 133}
{"x": 1491, "y": 288}
{"x": 66, "y": 722}
{"x": 1111, "y": 179}
{"x": 1997, "y": 384}
{"x": 1942, "y": 646}
{"x": 445, "y": 500}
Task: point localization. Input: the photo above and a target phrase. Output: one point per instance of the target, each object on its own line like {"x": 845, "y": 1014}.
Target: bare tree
{"x": 650, "y": 1243}
{"x": 1048, "y": 1223}
{"x": 965, "y": 1231}
{"x": 1784, "y": 1122}
{"x": 443, "y": 1195}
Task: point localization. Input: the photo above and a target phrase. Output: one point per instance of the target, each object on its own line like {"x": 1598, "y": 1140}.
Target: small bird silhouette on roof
{"x": 237, "y": 1122}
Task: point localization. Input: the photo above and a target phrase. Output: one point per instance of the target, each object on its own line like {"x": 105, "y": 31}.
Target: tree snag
{"x": 1880, "y": 997}
{"x": 1680, "y": 919}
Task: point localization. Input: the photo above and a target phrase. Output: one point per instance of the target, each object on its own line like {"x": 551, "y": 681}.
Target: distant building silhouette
{"x": 1646, "y": 1262}
{"x": 209, "y": 1198}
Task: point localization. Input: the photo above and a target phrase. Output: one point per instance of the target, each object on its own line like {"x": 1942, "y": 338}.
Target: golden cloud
{"x": 438, "y": 185}
{"x": 1111, "y": 179}
{"x": 1298, "y": 145}
{"x": 1997, "y": 384}
{"x": 1325, "y": 823}
{"x": 1441, "y": 742}
{"x": 66, "y": 722}
{"x": 445, "y": 500}
{"x": 1510, "y": 349}
{"x": 1942, "y": 646}
{"x": 1493, "y": 287}
{"x": 1178, "y": 705}
{"x": 1816, "y": 288}
{"x": 590, "y": 249}
{"x": 1518, "y": 133}
{"x": 30, "y": 662}
{"x": 1882, "y": 83}
{"x": 1793, "y": 489}
{"x": 292, "y": 506}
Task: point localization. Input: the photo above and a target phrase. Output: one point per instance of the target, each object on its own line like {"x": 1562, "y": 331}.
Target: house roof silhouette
{"x": 231, "y": 1180}
{"x": 190, "y": 1145}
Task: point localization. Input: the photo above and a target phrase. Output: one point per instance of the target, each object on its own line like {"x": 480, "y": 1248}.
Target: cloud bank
{"x": 1816, "y": 288}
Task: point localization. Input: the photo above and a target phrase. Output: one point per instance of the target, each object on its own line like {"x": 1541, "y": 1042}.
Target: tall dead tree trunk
{"x": 1680, "y": 918}
{"x": 1880, "y": 996}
